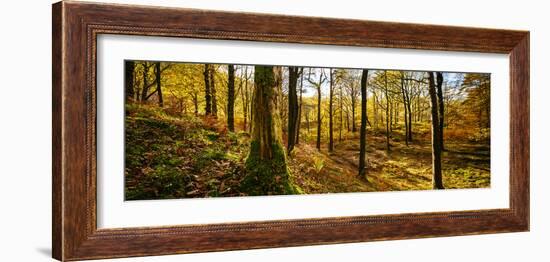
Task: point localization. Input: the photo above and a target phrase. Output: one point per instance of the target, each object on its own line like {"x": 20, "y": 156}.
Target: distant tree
{"x": 354, "y": 92}
{"x": 478, "y": 97}
{"x": 245, "y": 96}
{"x": 207, "y": 90}
{"x": 387, "y": 110}
{"x": 341, "y": 107}
{"x": 213, "y": 91}
{"x": 317, "y": 85}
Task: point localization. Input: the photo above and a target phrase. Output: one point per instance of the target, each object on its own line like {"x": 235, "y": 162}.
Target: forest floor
{"x": 183, "y": 157}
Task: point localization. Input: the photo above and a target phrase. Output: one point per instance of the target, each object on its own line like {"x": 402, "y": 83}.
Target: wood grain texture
{"x": 57, "y": 195}
{"x": 76, "y": 26}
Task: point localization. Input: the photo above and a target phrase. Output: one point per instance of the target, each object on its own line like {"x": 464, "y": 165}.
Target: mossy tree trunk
{"x": 266, "y": 167}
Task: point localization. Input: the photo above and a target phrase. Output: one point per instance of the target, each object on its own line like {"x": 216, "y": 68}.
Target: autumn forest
{"x": 211, "y": 130}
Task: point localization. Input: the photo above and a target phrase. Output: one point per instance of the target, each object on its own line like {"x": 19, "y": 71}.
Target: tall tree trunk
{"x": 441, "y": 107}
{"x": 207, "y": 90}
{"x": 292, "y": 107}
{"x": 363, "y": 132}
{"x": 330, "y": 113}
{"x": 353, "y": 105}
{"x": 391, "y": 116}
{"x": 145, "y": 89}
{"x": 298, "y": 125}
{"x": 437, "y": 179}
{"x": 375, "y": 104}
{"x": 347, "y": 120}
{"x": 196, "y": 104}
{"x": 159, "y": 84}
{"x": 307, "y": 122}
{"x": 213, "y": 91}
{"x": 395, "y": 113}
{"x": 341, "y": 113}
{"x": 266, "y": 165}
{"x": 319, "y": 111}
{"x": 231, "y": 98}
{"x": 245, "y": 97}
{"x": 410, "y": 119}
{"x": 129, "y": 67}
{"x": 405, "y": 110}
{"x": 387, "y": 111}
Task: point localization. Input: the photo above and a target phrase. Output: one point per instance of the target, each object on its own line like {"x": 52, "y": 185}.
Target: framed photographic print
{"x": 181, "y": 130}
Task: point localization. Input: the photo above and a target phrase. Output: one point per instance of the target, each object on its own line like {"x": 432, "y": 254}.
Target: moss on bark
{"x": 266, "y": 166}
{"x": 267, "y": 176}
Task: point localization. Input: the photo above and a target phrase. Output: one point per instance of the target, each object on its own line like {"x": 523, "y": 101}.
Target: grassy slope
{"x": 171, "y": 157}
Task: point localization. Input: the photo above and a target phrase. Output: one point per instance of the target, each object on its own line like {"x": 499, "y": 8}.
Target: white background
{"x": 113, "y": 211}
{"x": 25, "y": 145}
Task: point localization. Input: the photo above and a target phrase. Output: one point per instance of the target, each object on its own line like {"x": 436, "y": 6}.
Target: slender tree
{"x": 330, "y": 112}
{"x": 363, "y": 132}
{"x": 146, "y": 85}
{"x": 405, "y": 112}
{"x": 441, "y": 107}
{"x": 409, "y": 127}
{"x": 375, "y": 109}
{"x": 340, "y": 105}
{"x": 319, "y": 111}
{"x": 387, "y": 110}
{"x": 318, "y": 85}
{"x": 158, "y": 79}
{"x": 207, "y": 90}
{"x": 437, "y": 180}
{"x": 353, "y": 105}
{"x": 245, "y": 96}
{"x": 231, "y": 98}
{"x": 299, "y": 124}
{"x": 213, "y": 92}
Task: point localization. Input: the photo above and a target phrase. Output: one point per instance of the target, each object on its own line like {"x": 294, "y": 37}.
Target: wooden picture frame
{"x": 76, "y": 26}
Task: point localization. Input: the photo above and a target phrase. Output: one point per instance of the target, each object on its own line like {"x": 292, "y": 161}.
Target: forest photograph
{"x": 199, "y": 130}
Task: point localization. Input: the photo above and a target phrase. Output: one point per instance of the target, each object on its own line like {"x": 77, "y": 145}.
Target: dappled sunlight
{"x": 197, "y": 131}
